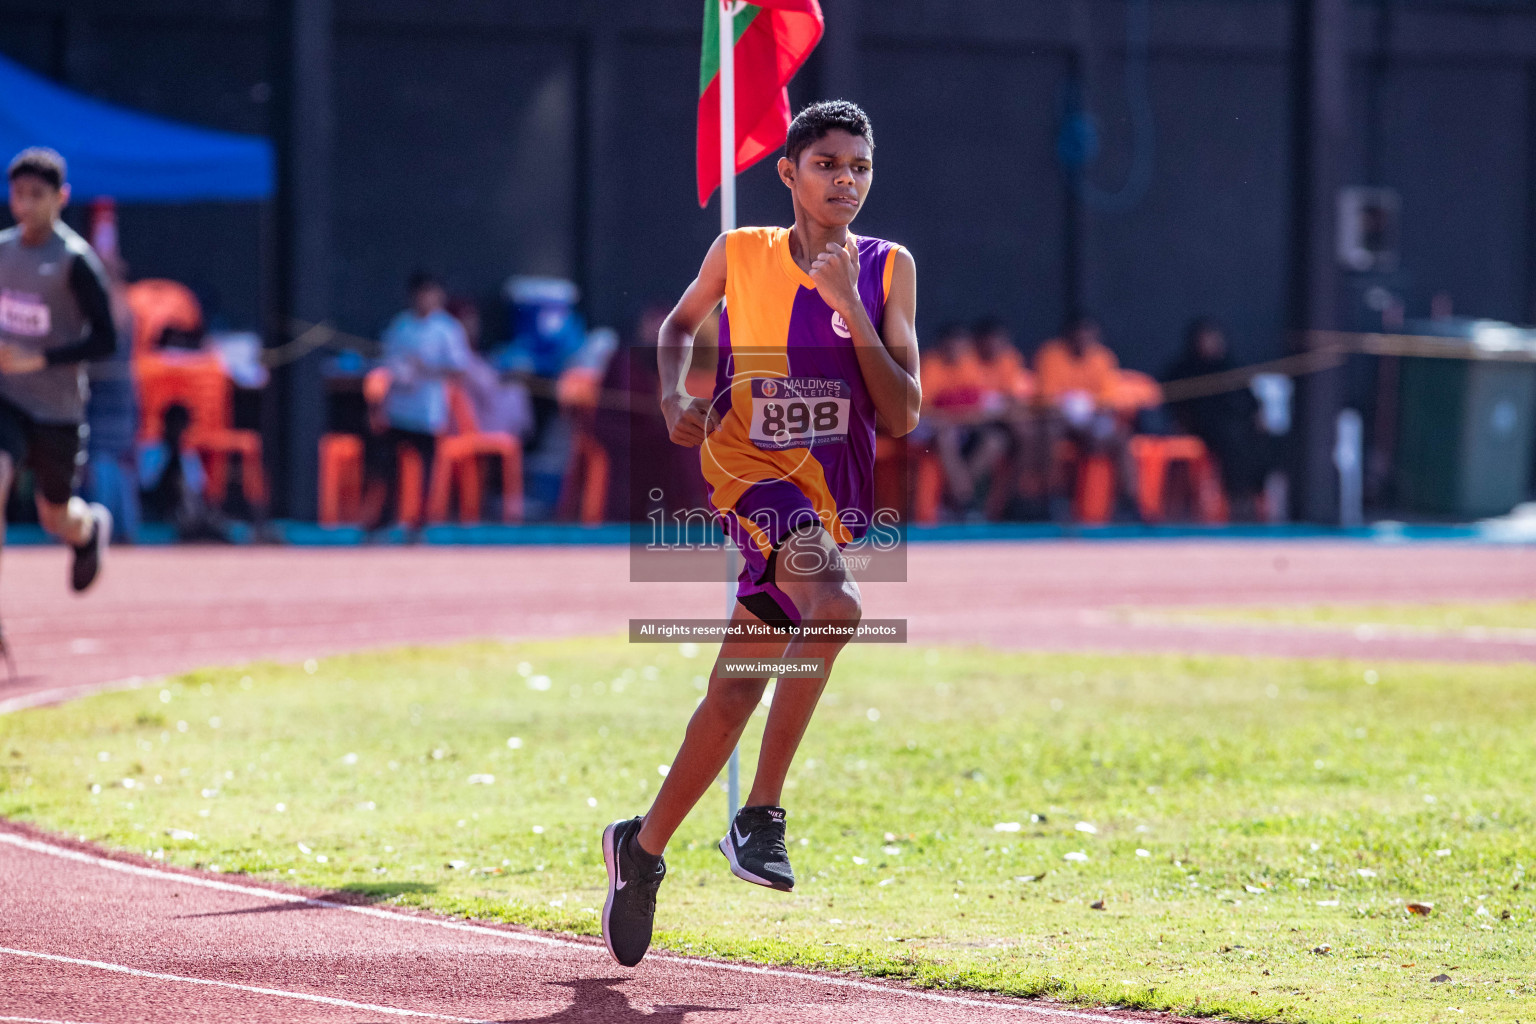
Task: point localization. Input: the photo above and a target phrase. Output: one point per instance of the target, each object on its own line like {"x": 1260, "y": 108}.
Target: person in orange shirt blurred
{"x": 1076, "y": 376}
{"x": 1076, "y": 369}
{"x": 951, "y": 375}
{"x": 960, "y": 406}
{"x": 1006, "y": 382}
{"x": 1008, "y": 397}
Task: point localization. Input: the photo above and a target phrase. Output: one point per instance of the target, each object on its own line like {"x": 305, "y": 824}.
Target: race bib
{"x": 799, "y": 412}
{"x": 24, "y": 315}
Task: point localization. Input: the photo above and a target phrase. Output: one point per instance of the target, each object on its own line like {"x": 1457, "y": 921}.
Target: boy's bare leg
{"x": 957, "y": 474}
{"x": 1130, "y": 471}
{"x": 71, "y": 521}
{"x": 1053, "y": 430}
{"x": 812, "y": 574}
{"x": 713, "y": 732}
{"x": 1031, "y": 441}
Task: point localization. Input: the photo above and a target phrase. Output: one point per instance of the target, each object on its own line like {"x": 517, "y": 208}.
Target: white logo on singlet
{"x": 840, "y": 326}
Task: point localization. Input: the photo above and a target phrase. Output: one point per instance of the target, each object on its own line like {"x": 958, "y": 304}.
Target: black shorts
{"x": 54, "y": 452}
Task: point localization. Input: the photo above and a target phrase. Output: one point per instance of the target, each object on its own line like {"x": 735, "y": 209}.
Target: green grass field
{"x": 1253, "y": 828}
{"x": 1461, "y": 617}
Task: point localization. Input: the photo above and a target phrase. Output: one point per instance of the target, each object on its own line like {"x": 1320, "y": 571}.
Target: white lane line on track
{"x": 281, "y": 993}
{"x": 63, "y": 693}
{"x": 599, "y": 952}
{"x": 40, "y": 1020}
{"x": 1362, "y": 631}
{"x": 273, "y": 894}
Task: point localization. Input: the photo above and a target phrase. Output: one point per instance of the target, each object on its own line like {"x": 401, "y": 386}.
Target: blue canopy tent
{"x": 129, "y": 156}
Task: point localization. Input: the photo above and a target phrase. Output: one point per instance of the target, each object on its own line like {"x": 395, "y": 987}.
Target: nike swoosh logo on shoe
{"x": 741, "y": 840}
{"x": 619, "y": 884}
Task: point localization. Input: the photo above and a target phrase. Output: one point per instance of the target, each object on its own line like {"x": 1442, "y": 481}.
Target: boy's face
{"x": 831, "y": 178}
{"x": 428, "y": 299}
{"x": 36, "y": 204}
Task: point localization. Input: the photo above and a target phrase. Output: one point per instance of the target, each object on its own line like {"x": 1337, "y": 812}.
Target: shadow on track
{"x": 363, "y": 894}
{"x": 598, "y": 1001}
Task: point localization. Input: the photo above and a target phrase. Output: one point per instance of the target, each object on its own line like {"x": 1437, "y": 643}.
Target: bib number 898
{"x": 797, "y": 417}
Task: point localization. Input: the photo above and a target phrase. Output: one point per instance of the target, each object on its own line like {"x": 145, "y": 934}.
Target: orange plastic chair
{"x": 341, "y": 467}
{"x": 1093, "y": 496}
{"x": 157, "y": 305}
{"x": 198, "y": 381}
{"x": 1154, "y": 455}
{"x": 1093, "y": 492}
{"x": 412, "y": 476}
{"x": 458, "y": 459}
{"x": 584, "y": 490}
{"x": 341, "y": 479}
{"x": 412, "y": 472}
{"x": 169, "y": 378}
{"x": 1093, "y": 500}
{"x": 927, "y": 486}
{"x": 893, "y": 484}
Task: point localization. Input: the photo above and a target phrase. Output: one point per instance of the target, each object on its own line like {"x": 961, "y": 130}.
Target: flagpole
{"x": 727, "y": 21}
{"x": 727, "y": 115}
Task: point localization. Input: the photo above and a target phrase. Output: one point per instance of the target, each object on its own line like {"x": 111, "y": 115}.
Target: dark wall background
{"x": 208, "y": 72}
{"x": 456, "y": 153}
{"x": 486, "y": 138}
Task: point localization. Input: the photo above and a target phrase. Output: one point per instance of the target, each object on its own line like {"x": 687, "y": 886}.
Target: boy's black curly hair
{"x": 816, "y": 120}
{"x": 38, "y": 162}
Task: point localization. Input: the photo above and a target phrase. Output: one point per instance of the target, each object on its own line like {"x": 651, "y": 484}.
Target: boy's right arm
{"x": 689, "y": 419}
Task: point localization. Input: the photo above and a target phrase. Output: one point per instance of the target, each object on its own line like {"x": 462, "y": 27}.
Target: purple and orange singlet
{"x": 796, "y": 440}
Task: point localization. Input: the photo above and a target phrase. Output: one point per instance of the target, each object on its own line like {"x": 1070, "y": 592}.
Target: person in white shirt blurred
{"x": 501, "y": 406}
{"x": 424, "y": 348}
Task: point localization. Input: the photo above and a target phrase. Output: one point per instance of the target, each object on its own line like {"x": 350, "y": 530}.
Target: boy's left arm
{"x": 888, "y": 355}
{"x": 87, "y": 283}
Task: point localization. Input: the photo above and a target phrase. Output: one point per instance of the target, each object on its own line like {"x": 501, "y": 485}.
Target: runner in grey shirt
{"x": 54, "y": 316}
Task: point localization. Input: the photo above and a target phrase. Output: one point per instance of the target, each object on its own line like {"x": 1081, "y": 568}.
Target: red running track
{"x": 166, "y": 610}
{"x": 98, "y": 941}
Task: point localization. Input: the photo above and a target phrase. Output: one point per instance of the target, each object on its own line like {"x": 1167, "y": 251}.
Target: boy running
{"x": 54, "y": 316}
{"x": 817, "y": 342}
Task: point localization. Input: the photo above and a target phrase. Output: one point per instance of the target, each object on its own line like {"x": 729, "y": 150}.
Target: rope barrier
{"x": 1325, "y": 350}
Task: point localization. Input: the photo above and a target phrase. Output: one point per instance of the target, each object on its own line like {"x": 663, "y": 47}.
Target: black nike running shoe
{"x": 88, "y": 556}
{"x": 630, "y": 910}
{"x": 755, "y": 847}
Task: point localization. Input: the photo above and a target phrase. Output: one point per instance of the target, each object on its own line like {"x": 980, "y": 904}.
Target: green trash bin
{"x": 1466, "y": 428}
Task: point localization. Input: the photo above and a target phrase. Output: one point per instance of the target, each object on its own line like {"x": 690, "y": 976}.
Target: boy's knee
{"x": 840, "y": 606}
{"x": 736, "y": 698}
